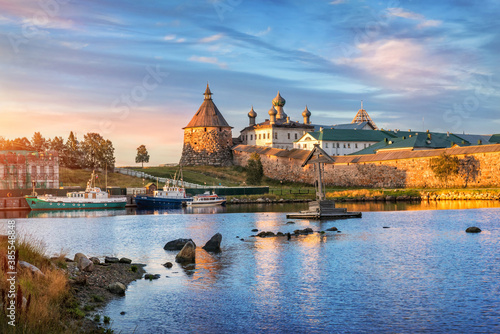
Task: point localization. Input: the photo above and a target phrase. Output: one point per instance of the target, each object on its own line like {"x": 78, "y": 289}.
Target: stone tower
{"x": 207, "y": 137}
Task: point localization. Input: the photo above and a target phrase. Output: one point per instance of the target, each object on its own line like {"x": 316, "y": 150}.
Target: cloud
{"x": 212, "y": 38}
{"x": 207, "y": 60}
{"x": 169, "y": 38}
{"x": 264, "y": 32}
{"x": 337, "y": 2}
{"x": 424, "y": 23}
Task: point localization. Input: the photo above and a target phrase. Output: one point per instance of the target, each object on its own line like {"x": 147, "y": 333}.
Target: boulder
{"x": 213, "y": 245}
{"x": 78, "y": 256}
{"x": 168, "y": 264}
{"x": 30, "y": 267}
{"x": 332, "y": 229}
{"x": 125, "y": 260}
{"x": 473, "y": 229}
{"x": 187, "y": 253}
{"x": 95, "y": 260}
{"x": 117, "y": 288}
{"x": 177, "y": 244}
{"x": 255, "y": 230}
{"x": 85, "y": 264}
{"x": 290, "y": 222}
{"x": 109, "y": 259}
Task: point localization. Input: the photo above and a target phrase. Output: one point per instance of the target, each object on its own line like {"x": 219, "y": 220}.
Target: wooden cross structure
{"x": 318, "y": 157}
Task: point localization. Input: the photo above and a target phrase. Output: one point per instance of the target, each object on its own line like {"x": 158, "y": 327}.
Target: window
{"x": 268, "y": 135}
{"x": 298, "y": 145}
{"x": 326, "y": 145}
{"x": 355, "y": 145}
{"x": 365, "y": 145}
{"x": 205, "y": 129}
{"x": 349, "y": 145}
{"x": 288, "y": 135}
{"x": 260, "y": 136}
{"x": 251, "y": 137}
{"x": 275, "y": 135}
{"x": 338, "y": 145}
{"x": 344, "y": 145}
{"x": 295, "y": 136}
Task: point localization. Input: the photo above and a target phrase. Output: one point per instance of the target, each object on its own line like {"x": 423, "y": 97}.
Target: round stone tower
{"x": 207, "y": 137}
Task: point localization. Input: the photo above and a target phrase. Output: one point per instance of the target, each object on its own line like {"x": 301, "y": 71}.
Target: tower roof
{"x": 362, "y": 116}
{"x": 207, "y": 115}
{"x": 272, "y": 112}
{"x": 252, "y": 113}
{"x": 278, "y": 101}
{"x": 306, "y": 112}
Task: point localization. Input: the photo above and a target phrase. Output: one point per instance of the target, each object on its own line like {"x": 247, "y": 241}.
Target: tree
{"x": 97, "y": 152}
{"x": 142, "y": 155}
{"x": 468, "y": 169}
{"x": 72, "y": 152}
{"x": 255, "y": 171}
{"x": 444, "y": 166}
{"x": 38, "y": 142}
{"x": 20, "y": 144}
{"x": 56, "y": 144}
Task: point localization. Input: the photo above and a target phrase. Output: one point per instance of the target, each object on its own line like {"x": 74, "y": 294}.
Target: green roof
{"x": 350, "y": 135}
{"x": 495, "y": 139}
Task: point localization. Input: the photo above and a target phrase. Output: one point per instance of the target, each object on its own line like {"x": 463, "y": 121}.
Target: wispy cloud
{"x": 337, "y": 2}
{"x": 264, "y": 32}
{"x": 207, "y": 60}
{"x": 400, "y": 12}
{"x": 211, "y": 39}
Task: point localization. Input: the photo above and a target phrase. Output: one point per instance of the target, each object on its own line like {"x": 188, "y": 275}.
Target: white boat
{"x": 206, "y": 199}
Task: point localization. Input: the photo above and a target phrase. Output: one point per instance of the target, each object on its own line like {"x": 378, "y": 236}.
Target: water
{"x": 423, "y": 274}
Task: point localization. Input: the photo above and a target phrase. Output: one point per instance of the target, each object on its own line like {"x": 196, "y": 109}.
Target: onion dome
{"x": 306, "y": 113}
{"x": 278, "y": 101}
{"x": 272, "y": 112}
{"x": 252, "y": 113}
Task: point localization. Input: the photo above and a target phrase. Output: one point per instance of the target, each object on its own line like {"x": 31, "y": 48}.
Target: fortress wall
{"x": 409, "y": 170}
{"x": 207, "y": 146}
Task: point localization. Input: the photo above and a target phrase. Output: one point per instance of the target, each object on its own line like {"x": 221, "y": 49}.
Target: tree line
{"x": 93, "y": 151}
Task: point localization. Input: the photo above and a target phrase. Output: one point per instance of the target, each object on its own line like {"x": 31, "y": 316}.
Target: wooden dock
{"x": 324, "y": 210}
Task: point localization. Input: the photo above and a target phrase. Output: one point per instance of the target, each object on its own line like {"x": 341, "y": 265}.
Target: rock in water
{"x": 109, "y": 259}
{"x": 213, "y": 245}
{"x": 473, "y": 229}
{"x": 187, "y": 253}
{"x": 177, "y": 244}
{"x": 168, "y": 264}
{"x": 125, "y": 260}
{"x": 332, "y": 229}
{"x": 117, "y": 288}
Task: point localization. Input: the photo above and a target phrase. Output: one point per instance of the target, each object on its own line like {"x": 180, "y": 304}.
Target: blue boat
{"x": 169, "y": 197}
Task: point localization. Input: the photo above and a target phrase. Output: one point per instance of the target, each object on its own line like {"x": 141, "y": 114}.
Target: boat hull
{"x": 207, "y": 203}
{"x": 159, "y": 202}
{"x": 40, "y": 204}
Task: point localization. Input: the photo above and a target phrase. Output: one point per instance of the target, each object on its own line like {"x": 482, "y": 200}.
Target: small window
{"x": 288, "y": 135}
{"x": 295, "y": 136}
{"x": 260, "y": 136}
{"x": 268, "y": 135}
{"x": 349, "y": 145}
{"x": 251, "y": 137}
{"x": 344, "y": 145}
{"x": 355, "y": 145}
{"x": 338, "y": 145}
{"x": 326, "y": 145}
{"x": 205, "y": 129}
{"x": 365, "y": 145}
{"x": 275, "y": 135}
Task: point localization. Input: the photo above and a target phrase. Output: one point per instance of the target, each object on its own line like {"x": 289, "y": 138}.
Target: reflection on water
{"x": 423, "y": 205}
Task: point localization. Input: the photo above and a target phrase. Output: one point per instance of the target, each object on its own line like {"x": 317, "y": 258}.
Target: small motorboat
{"x": 207, "y": 199}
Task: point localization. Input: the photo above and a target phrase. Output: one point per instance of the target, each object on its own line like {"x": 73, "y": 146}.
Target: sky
{"x": 135, "y": 71}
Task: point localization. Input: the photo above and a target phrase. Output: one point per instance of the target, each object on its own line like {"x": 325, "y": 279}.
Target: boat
{"x": 206, "y": 199}
{"x": 92, "y": 198}
{"x": 170, "y": 196}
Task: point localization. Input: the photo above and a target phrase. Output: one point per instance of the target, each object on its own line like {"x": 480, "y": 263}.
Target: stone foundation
{"x": 207, "y": 146}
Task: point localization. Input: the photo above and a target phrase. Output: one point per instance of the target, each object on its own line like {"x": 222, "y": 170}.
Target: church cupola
{"x": 251, "y": 116}
{"x": 279, "y": 103}
{"x": 272, "y": 115}
{"x": 306, "y": 114}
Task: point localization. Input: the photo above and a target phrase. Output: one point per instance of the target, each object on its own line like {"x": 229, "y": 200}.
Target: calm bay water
{"x": 423, "y": 274}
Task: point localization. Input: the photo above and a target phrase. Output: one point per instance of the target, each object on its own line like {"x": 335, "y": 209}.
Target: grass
{"x": 79, "y": 177}
{"x": 48, "y": 299}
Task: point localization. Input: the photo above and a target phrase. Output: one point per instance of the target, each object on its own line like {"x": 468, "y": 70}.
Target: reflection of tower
{"x": 207, "y": 137}
{"x": 362, "y": 116}
{"x": 279, "y": 103}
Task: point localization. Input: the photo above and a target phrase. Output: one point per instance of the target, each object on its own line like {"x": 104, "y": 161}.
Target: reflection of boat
{"x": 91, "y": 198}
{"x": 170, "y": 196}
{"x": 206, "y": 200}
{"x": 82, "y": 213}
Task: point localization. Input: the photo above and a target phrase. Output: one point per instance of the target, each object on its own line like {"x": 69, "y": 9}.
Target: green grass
{"x": 79, "y": 177}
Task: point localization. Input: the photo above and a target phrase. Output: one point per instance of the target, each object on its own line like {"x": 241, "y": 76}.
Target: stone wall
{"x": 411, "y": 170}
{"x": 207, "y": 146}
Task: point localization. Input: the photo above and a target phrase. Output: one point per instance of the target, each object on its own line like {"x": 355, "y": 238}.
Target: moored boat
{"x": 170, "y": 196}
{"x": 92, "y": 198}
{"x": 206, "y": 199}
